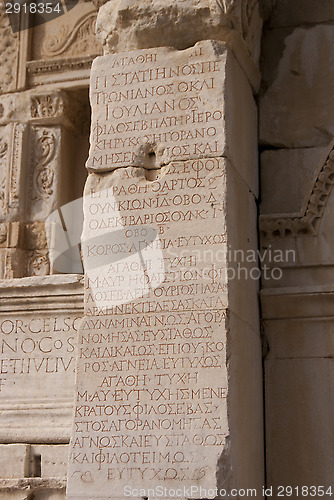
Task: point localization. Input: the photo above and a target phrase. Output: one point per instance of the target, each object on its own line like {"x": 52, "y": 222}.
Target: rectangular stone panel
{"x": 37, "y": 359}
{"x": 140, "y": 233}
{"x": 53, "y": 459}
{"x": 152, "y": 381}
{"x": 150, "y": 107}
{"x": 299, "y": 395}
{"x": 14, "y": 460}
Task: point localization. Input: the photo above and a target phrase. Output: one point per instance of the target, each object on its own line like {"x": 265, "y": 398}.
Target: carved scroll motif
{"x": 3, "y": 175}
{"x": 15, "y": 167}
{"x": 9, "y": 45}
{"x": 11, "y": 142}
{"x": 3, "y": 233}
{"x": 46, "y": 145}
{"x": 79, "y": 40}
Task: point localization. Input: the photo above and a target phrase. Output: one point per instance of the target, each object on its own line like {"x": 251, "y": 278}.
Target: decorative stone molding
{"x": 297, "y": 302}
{"x": 59, "y": 70}
{"x": 46, "y": 106}
{"x": 44, "y": 171}
{"x": 11, "y": 144}
{"x": 36, "y": 403}
{"x": 65, "y": 50}
{"x": 307, "y": 222}
{"x": 44, "y": 174}
{"x": 3, "y": 234}
{"x": 57, "y": 107}
{"x": 4, "y": 164}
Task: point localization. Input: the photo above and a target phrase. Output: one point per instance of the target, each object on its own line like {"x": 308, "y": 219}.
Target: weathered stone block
{"x": 298, "y": 12}
{"x": 124, "y": 25}
{"x": 147, "y": 300}
{"x": 53, "y": 459}
{"x": 14, "y": 460}
{"x": 292, "y": 171}
{"x": 154, "y": 106}
{"x": 285, "y": 119}
{"x": 161, "y": 211}
{"x": 38, "y": 325}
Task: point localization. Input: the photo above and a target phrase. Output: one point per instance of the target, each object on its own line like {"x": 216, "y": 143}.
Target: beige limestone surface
{"x": 124, "y": 26}
{"x": 14, "y": 460}
{"x": 152, "y": 380}
{"x": 154, "y": 106}
{"x": 295, "y": 111}
{"x": 39, "y": 125}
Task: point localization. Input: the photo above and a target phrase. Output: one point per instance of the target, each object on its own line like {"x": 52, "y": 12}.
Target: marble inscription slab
{"x": 156, "y": 105}
{"x": 152, "y": 384}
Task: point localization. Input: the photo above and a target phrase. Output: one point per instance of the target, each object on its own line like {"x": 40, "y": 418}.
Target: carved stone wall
{"x": 9, "y": 53}
{"x": 296, "y": 213}
{"x": 43, "y": 149}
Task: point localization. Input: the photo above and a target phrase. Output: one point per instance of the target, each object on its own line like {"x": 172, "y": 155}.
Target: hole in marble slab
{"x": 36, "y": 466}
{"x": 147, "y": 156}
{"x": 151, "y": 159}
{"x": 151, "y": 175}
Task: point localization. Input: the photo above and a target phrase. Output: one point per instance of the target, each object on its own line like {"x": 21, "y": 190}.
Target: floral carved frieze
{"x": 3, "y": 233}
{"x": 3, "y": 147}
{"x": 46, "y": 106}
{"x": 3, "y": 175}
{"x": 11, "y": 150}
{"x": 5, "y": 140}
{"x": 56, "y": 108}
{"x": 307, "y": 222}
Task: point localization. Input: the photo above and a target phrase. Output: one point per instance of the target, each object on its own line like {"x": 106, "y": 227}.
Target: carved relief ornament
{"x": 77, "y": 40}
{"x": 307, "y": 223}
{"x": 43, "y": 177}
{"x": 46, "y": 106}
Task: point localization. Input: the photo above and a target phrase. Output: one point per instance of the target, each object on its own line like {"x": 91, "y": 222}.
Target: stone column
{"x": 169, "y": 387}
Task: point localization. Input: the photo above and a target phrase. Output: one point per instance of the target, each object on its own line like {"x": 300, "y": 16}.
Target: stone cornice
{"x": 305, "y": 223}
{"x": 297, "y": 302}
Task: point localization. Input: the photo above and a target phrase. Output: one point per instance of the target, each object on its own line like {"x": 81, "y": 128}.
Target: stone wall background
{"x": 296, "y": 134}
